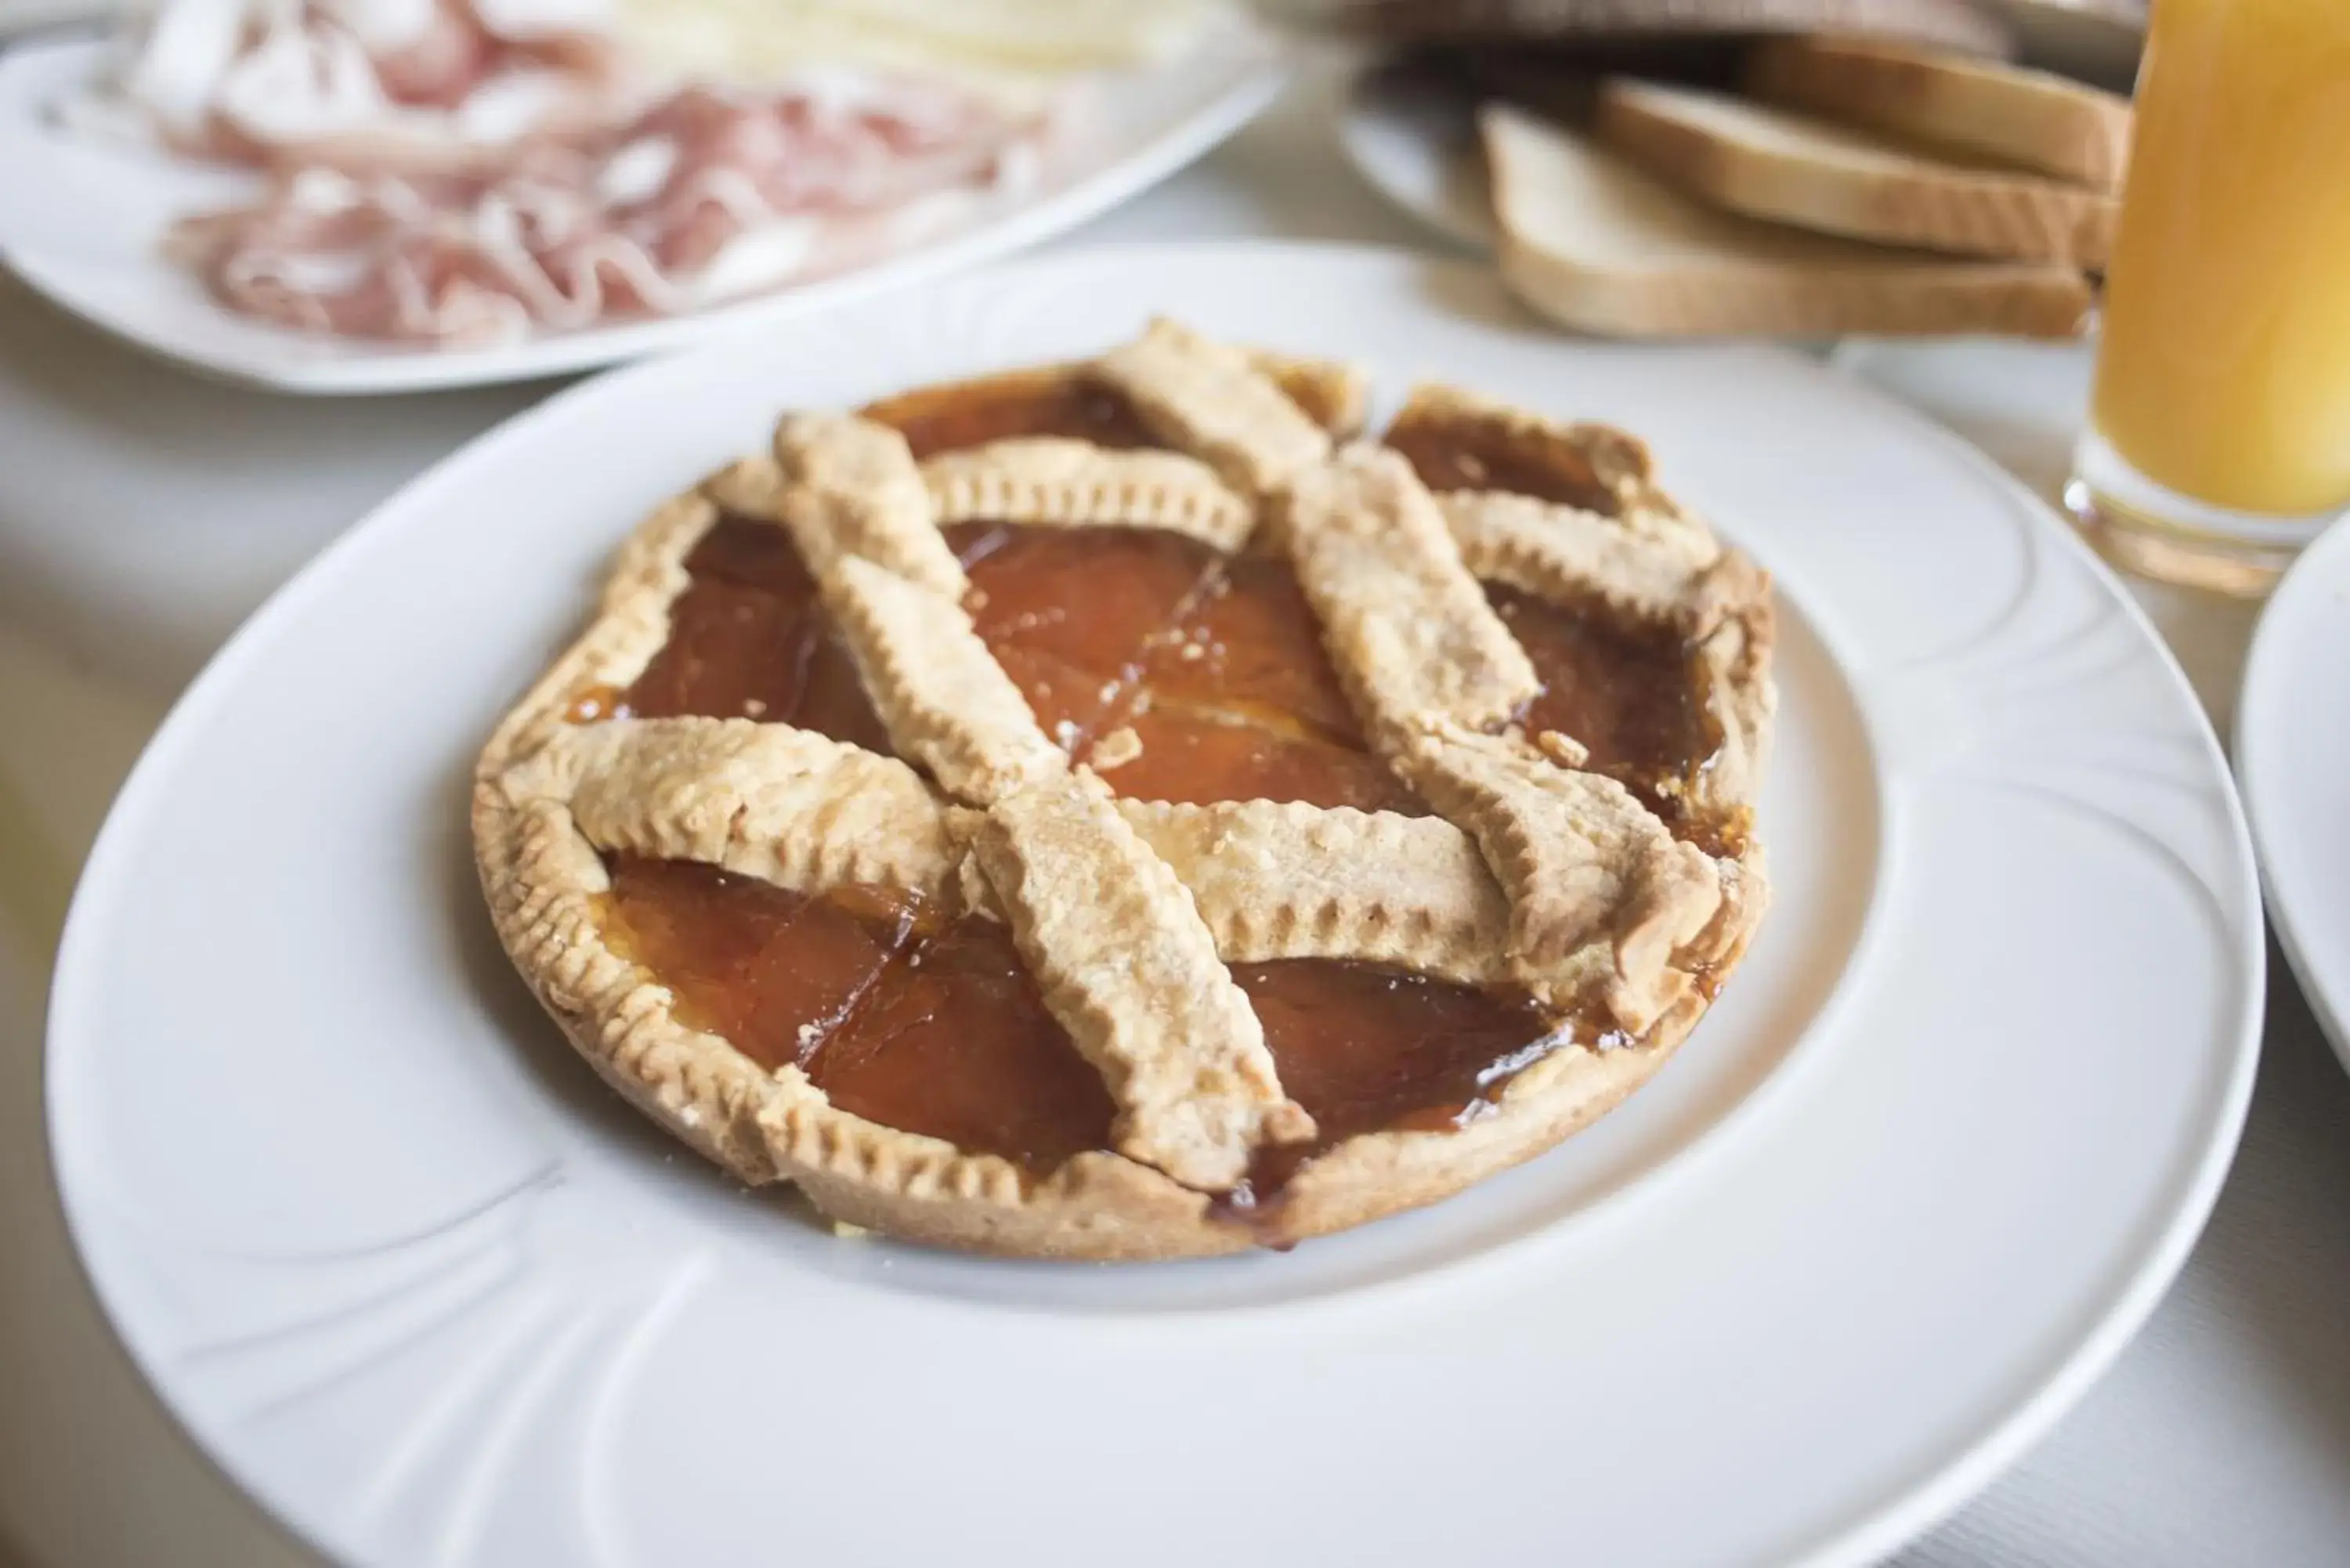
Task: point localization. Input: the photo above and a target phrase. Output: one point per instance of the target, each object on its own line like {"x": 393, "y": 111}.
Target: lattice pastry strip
{"x": 1282, "y": 880}
{"x": 947, "y": 702}
{"x": 1676, "y": 579}
{"x": 1601, "y": 895}
{"x": 1208, "y": 398}
{"x": 1409, "y": 630}
{"x": 787, "y": 806}
{"x": 849, "y": 488}
{"x": 1056, "y": 481}
{"x": 1131, "y": 970}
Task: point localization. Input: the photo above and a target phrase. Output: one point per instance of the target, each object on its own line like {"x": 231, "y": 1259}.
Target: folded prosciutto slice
{"x": 441, "y": 172}
{"x": 709, "y": 194}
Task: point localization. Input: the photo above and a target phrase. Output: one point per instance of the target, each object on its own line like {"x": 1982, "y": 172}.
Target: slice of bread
{"x": 1769, "y": 163}
{"x": 1951, "y": 24}
{"x": 1597, "y": 245}
{"x": 2029, "y": 120}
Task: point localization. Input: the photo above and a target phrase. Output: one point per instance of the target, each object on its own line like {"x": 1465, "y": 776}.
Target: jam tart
{"x": 1117, "y": 810}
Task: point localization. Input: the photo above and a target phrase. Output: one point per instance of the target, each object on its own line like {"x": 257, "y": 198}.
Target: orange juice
{"x": 2224, "y": 373}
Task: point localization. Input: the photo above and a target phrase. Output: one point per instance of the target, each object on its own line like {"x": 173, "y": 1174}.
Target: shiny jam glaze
{"x": 1201, "y": 756}
{"x": 955, "y": 1042}
{"x": 1449, "y": 455}
{"x": 1250, "y": 643}
{"x": 1632, "y": 701}
{"x": 1050, "y": 401}
{"x": 748, "y": 641}
{"x": 1216, "y": 665}
{"x": 771, "y": 972}
{"x": 934, "y": 1031}
{"x": 1068, "y": 613}
{"x": 1365, "y": 1048}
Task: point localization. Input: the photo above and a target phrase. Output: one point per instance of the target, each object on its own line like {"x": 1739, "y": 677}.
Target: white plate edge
{"x": 2318, "y": 564}
{"x": 1905, "y": 1519}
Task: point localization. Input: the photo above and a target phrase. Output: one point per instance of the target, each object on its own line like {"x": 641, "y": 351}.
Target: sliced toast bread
{"x": 1600, "y": 246}
{"x": 1980, "y": 108}
{"x": 1951, "y": 24}
{"x": 1769, "y": 163}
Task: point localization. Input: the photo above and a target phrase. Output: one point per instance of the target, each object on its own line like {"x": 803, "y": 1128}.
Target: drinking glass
{"x": 2219, "y": 435}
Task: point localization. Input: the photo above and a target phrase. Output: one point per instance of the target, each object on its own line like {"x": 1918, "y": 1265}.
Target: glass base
{"x": 2154, "y": 532}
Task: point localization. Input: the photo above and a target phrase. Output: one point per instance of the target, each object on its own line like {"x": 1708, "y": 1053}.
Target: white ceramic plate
{"x": 2292, "y": 754}
{"x": 419, "y": 1281}
{"x": 81, "y": 222}
{"x": 1411, "y": 133}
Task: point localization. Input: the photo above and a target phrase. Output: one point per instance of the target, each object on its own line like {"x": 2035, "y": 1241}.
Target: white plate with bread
{"x": 1806, "y": 188}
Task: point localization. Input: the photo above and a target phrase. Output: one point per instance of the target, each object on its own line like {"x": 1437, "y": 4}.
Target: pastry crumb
{"x": 1564, "y": 750}
{"x": 1117, "y": 749}
{"x": 847, "y": 1233}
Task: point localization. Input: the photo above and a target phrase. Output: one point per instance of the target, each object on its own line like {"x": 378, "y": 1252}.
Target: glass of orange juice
{"x": 2219, "y": 438}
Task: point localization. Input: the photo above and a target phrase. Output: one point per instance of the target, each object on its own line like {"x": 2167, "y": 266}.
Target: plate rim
{"x": 1359, "y": 105}
{"x": 1254, "y": 73}
{"x": 2326, "y": 562}
{"x": 1902, "y": 1520}
{"x": 1969, "y": 1464}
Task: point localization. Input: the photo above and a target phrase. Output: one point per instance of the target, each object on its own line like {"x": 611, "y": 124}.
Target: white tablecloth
{"x": 144, "y": 513}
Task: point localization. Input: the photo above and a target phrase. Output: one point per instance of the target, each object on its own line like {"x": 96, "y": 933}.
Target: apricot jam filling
{"x": 1449, "y": 455}
{"x": 930, "y": 1027}
{"x": 748, "y": 639}
{"x": 1068, "y": 613}
{"x": 1366, "y": 1048}
{"x": 1633, "y": 700}
{"x": 1050, "y": 401}
{"x": 935, "y": 1027}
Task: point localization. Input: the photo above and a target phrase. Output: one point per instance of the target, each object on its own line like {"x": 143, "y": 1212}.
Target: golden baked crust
{"x": 1534, "y": 874}
{"x": 1076, "y": 485}
{"x": 1210, "y": 399}
{"x": 947, "y": 703}
{"x": 1408, "y": 628}
{"x": 1602, "y": 896}
{"x": 848, "y": 486}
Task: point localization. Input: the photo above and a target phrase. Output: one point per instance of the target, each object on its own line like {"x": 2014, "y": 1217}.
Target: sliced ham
{"x": 470, "y": 171}
{"x": 705, "y": 194}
